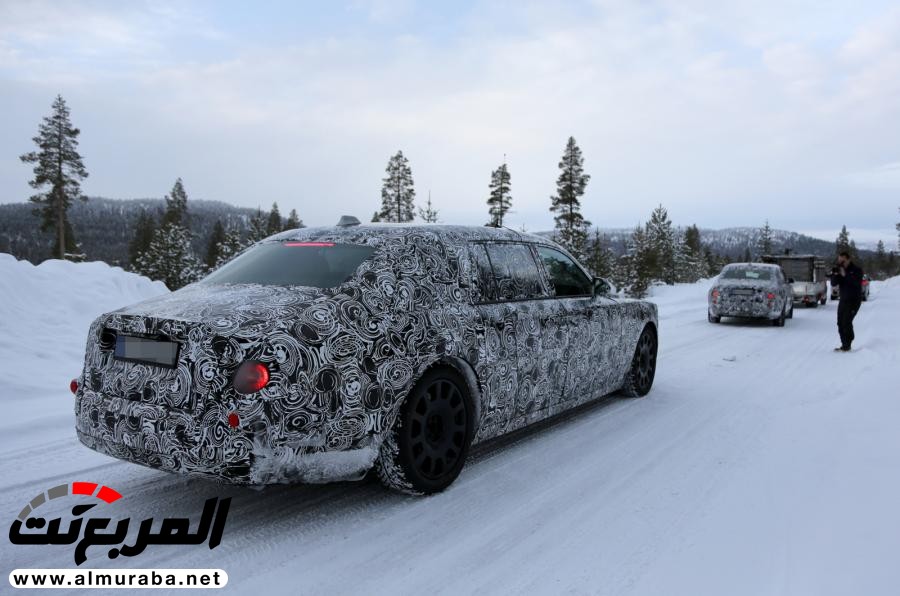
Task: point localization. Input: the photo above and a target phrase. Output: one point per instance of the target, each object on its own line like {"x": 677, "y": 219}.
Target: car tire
{"x": 712, "y": 319}
{"x": 426, "y": 448}
{"x": 640, "y": 376}
{"x": 779, "y": 322}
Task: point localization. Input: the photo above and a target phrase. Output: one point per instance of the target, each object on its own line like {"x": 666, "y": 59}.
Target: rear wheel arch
{"x": 397, "y": 465}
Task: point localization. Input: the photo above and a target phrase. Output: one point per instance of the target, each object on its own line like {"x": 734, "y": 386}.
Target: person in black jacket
{"x": 848, "y": 277}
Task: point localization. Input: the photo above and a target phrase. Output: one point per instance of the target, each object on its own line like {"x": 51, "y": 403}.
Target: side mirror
{"x": 603, "y": 287}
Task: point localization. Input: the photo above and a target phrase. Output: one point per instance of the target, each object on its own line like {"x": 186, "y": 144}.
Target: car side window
{"x": 485, "y": 289}
{"x": 566, "y": 277}
{"x": 505, "y": 271}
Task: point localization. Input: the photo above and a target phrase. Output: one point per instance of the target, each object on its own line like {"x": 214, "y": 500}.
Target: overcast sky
{"x": 727, "y": 113}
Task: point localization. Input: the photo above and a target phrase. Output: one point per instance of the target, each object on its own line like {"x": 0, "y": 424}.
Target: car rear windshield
{"x": 746, "y": 273}
{"x": 311, "y": 264}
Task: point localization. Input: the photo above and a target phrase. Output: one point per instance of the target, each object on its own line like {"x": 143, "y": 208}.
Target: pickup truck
{"x": 807, "y": 276}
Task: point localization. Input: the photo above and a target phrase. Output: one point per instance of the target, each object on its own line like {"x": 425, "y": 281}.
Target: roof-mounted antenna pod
{"x": 347, "y": 221}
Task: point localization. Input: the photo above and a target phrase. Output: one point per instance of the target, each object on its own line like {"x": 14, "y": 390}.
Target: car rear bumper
{"x": 207, "y": 446}
{"x": 750, "y": 311}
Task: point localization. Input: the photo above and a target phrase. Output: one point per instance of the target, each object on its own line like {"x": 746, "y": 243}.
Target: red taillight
{"x": 233, "y": 420}
{"x": 73, "y": 385}
{"x": 319, "y": 244}
{"x": 770, "y": 296}
{"x": 251, "y": 377}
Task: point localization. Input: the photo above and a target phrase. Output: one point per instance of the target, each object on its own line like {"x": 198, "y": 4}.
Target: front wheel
{"x": 425, "y": 450}
{"x": 639, "y": 379}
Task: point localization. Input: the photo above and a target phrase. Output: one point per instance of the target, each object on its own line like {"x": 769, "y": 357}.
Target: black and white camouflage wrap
{"x": 749, "y": 298}
{"x": 344, "y": 359}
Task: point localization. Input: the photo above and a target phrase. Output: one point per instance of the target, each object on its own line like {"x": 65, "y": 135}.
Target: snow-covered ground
{"x": 761, "y": 463}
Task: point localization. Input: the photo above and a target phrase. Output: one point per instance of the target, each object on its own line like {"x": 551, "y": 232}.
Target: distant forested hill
{"x": 104, "y": 227}
{"x": 734, "y": 242}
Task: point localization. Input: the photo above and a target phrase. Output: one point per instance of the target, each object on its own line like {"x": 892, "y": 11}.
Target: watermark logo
{"x": 85, "y": 531}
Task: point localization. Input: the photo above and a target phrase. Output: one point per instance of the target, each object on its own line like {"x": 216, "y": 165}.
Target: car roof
{"x": 752, "y": 266}
{"x": 371, "y": 233}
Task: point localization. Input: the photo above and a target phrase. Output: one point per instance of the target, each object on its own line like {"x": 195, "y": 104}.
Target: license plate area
{"x": 145, "y": 350}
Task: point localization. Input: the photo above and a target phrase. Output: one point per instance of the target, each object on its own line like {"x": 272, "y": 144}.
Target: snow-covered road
{"x": 761, "y": 463}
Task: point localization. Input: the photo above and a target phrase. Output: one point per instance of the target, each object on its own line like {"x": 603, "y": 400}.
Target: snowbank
{"x": 45, "y": 311}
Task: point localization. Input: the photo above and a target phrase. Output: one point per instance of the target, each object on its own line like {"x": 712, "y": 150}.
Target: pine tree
{"x": 661, "y": 246}
{"x": 258, "y": 225}
{"x": 215, "y": 242}
{"x": 274, "y": 224}
{"x": 58, "y": 172}
{"x": 397, "y": 191}
{"x": 600, "y": 258}
{"x": 293, "y": 221}
{"x": 842, "y": 243}
{"x": 143, "y": 236}
{"x": 765, "y": 239}
{"x": 176, "y": 206}
{"x": 500, "y": 198}
{"x": 429, "y": 214}
{"x": 571, "y": 227}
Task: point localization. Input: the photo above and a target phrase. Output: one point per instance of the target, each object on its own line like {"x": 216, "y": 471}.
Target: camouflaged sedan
{"x": 751, "y": 291}
{"x": 320, "y": 353}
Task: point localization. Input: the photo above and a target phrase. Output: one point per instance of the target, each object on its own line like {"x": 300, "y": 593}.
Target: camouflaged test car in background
{"x": 751, "y": 291}
{"x": 319, "y": 353}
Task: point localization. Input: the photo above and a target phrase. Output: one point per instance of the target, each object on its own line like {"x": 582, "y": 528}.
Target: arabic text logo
{"x": 170, "y": 531}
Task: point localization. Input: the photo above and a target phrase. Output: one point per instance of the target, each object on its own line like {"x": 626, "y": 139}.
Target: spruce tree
{"x": 293, "y": 221}
{"x": 258, "y": 225}
{"x": 429, "y": 214}
{"x": 215, "y": 242}
{"x": 274, "y": 224}
{"x": 880, "y": 261}
{"x": 230, "y": 246}
{"x": 58, "y": 172}
{"x": 600, "y": 259}
{"x": 397, "y": 191}
{"x": 765, "y": 239}
{"x": 571, "y": 227}
{"x": 690, "y": 254}
{"x": 170, "y": 257}
{"x": 500, "y": 198}
{"x": 660, "y": 239}
{"x": 842, "y": 243}
{"x": 643, "y": 262}
{"x": 143, "y": 235}
{"x": 176, "y": 206}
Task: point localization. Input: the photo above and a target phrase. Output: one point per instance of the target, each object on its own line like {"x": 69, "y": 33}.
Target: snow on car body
{"x": 751, "y": 291}
{"x": 318, "y": 353}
